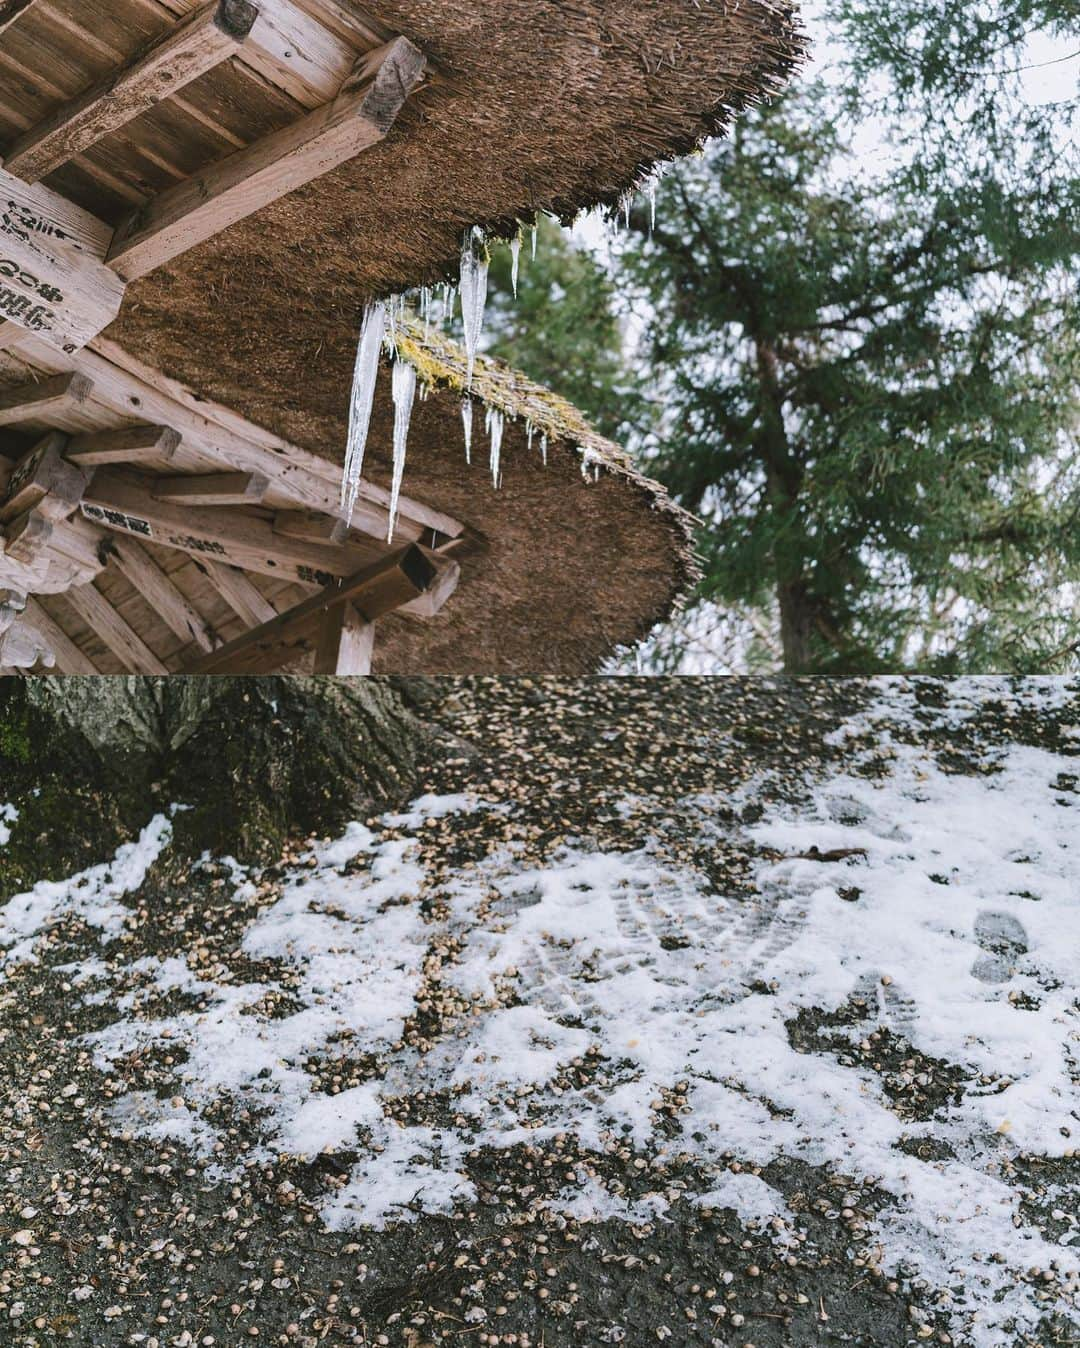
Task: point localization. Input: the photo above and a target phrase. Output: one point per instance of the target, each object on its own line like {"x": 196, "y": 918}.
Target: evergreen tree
{"x": 870, "y": 367}
{"x": 860, "y": 340}
{"x": 562, "y": 328}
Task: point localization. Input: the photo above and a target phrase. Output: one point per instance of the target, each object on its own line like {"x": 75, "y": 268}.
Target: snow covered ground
{"x": 893, "y": 997}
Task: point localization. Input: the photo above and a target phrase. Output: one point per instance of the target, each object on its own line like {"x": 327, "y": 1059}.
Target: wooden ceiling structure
{"x": 144, "y": 529}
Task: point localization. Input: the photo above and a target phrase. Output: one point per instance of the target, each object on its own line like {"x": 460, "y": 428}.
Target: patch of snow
{"x": 8, "y": 816}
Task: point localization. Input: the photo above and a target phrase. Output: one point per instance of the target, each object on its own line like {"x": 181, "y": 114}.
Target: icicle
{"x": 395, "y": 318}
{"x": 515, "y": 262}
{"x": 363, "y": 396}
{"x": 653, "y": 182}
{"x": 496, "y": 423}
{"x": 543, "y": 449}
{"x": 474, "y": 279}
{"x": 467, "y": 421}
{"x": 530, "y": 432}
{"x": 536, "y": 231}
{"x": 404, "y": 387}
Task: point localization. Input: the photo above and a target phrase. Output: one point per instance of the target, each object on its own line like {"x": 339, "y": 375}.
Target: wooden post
{"x": 346, "y": 642}
{"x": 209, "y": 37}
{"x": 244, "y": 182}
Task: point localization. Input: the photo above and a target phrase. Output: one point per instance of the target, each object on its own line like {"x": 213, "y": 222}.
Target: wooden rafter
{"x": 10, "y": 10}
{"x": 70, "y": 658}
{"x": 249, "y": 179}
{"x": 42, "y": 480}
{"x": 248, "y": 603}
{"x": 374, "y": 591}
{"x": 159, "y": 591}
{"x": 126, "y": 644}
{"x": 210, "y": 36}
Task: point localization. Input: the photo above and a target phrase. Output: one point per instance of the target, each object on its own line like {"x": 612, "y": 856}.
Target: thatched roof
{"x": 585, "y": 554}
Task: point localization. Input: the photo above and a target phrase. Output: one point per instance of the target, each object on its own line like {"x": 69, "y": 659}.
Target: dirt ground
{"x": 109, "y": 1237}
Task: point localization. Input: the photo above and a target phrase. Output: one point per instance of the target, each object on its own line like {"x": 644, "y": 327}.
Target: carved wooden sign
{"x": 52, "y": 279}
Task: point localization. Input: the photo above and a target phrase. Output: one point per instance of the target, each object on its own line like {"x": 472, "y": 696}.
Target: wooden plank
{"x": 10, "y": 10}
{"x": 44, "y": 481}
{"x": 47, "y": 285}
{"x": 250, "y": 179}
{"x": 213, "y": 489}
{"x": 26, "y": 538}
{"x": 249, "y": 605}
{"x": 161, "y": 594}
{"x": 70, "y": 659}
{"x": 100, "y": 616}
{"x": 209, "y": 37}
{"x": 42, "y": 400}
{"x": 346, "y": 643}
{"x": 121, "y": 500}
{"x": 375, "y": 590}
{"x": 130, "y": 444}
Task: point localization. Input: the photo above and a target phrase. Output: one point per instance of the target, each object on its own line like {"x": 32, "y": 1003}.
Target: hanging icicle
{"x": 515, "y": 262}
{"x": 404, "y": 389}
{"x": 496, "y": 424}
{"x": 474, "y": 282}
{"x": 535, "y": 232}
{"x": 467, "y": 422}
{"x": 543, "y": 449}
{"x": 363, "y": 396}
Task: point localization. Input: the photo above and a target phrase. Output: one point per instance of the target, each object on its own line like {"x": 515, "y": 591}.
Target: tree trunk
{"x": 88, "y": 761}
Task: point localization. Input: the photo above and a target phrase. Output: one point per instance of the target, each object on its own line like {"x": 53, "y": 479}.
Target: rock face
{"x": 253, "y": 760}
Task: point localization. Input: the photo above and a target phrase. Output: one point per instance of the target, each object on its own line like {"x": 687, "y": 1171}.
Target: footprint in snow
{"x": 1003, "y": 940}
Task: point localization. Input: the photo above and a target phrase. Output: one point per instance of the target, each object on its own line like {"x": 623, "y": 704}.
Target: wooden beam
{"x": 100, "y": 616}
{"x": 217, "y": 434}
{"x": 249, "y": 179}
{"x": 121, "y": 500}
{"x": 131, "y": 444}
{"x": 41, "y": 400}
{"x": 313, "y": 528}
{"x": 50, "y": 283}
{"x": 346, "y": 642}
{"x": 214, "y": 489}
{"x": 70, "y": 658}
{"x": 207, "y": 39}
{"x": 248, "y": 603}
{"x": 374, "y": 591}
{"x": 160, "y": 593}
{"x": 10, "y": 10}
{"x": 44, "y": 481}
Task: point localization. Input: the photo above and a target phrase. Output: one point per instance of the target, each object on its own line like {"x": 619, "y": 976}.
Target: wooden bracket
{"x": 44, "y": 399}
{"x": 374, "y": 591}
{"x": 45, "y": 482}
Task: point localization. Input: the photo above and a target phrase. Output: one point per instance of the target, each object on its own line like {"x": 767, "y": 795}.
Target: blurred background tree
{"x": 851, "y": 344}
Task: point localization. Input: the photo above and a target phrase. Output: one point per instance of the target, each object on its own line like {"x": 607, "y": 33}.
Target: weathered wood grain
{"x": 346, "y": 642}
{"x": 130, "y": 444}
{"x": 209, "y": 37}
{"x": 100, "y": 616}
{"x": 140, "y": 569}
{"x": 70, "y": 658}
{"x": 249, "y": 179}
